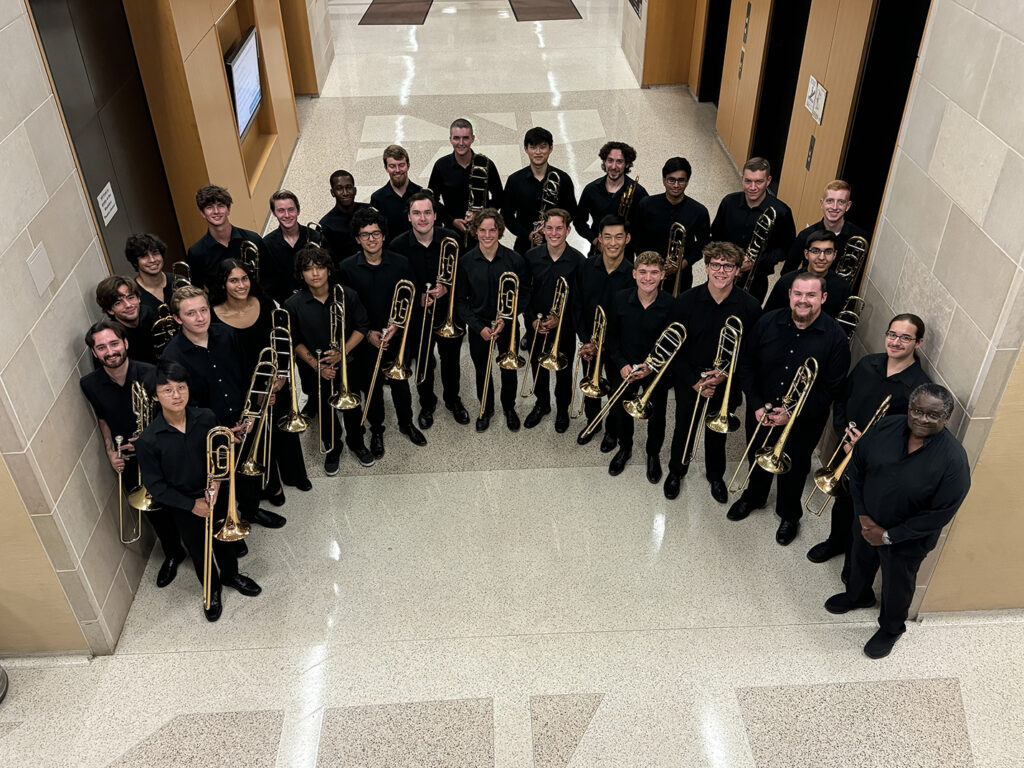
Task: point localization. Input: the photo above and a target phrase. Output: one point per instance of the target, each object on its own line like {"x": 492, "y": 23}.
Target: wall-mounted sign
{"x": 107, "y": 204}
{"x": 815, "y": 99}
{"x": 637, "y": 6}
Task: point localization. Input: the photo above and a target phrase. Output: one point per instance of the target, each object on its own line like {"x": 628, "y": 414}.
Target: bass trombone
{"x": 507, "y": 310}
{"x": 675, "y": 252}
{"x": 851, "y": 260}
{"x": 726, "y": 357}
{"x": 549, "y": 193}
{"x": 399, "y": 318}
{"x": 592, "y": 384}
{"x": 118, "y": 439}
{"x": 164, "y": 328}
{"x": 758, "y": 240}
{"x": 255, "y": 419}
{"x": 220, "y": 466}
{"x": 181, "y": 274}
{"x": 828, "y": 478}
{"x": 283, "y": 345}
{"x": 344, "y": 399}
{"x": 849, "y": 316}
{"x": 626, "y": 201}
{"x": 142, "y": 406}
{"x": 550, "y": 358}
{"x": 479, "y": 173}
{"x": 250, "y": 256}
{"x": 447, "y": 264}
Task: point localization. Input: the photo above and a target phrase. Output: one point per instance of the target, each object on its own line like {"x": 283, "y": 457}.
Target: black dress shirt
{"x": 450, "y": 183}
{"x": 476, "y": 286}
{"x": 795, "y": 256}
{"x": 773, "y": 350}
{"x": 632, "y": 329}
{"x": 375, "y": 283}
{"x": 596, "y": 203}
{"x": 205, "y": 255}
{"x": 544, "y": 273}
{"x": 838, "y": 291}
{"x": 735, "y": 221}
{"x": 911, "y": 495}
{"x": 337, "y": 226}
{"x": 866, "y": 387}
{"x": 140, "y": 338}
{"x": 173, "y": 463}
{"x": 150, "y": 301}
{"x": 521, "y": 208}
{"x": 277, "y": 277}
{"x": 214, "y": 371}
{"x": 311, "y": 318}
{"x": 112, "y": 402}
{"x": 254, "y": 338}
{"x": 393, "y": 208}
{"x": 597, "y": 286}
{"x": 703, "y": 318}
{"x": 656, "y": 217}
{"x": 423, "y": 259}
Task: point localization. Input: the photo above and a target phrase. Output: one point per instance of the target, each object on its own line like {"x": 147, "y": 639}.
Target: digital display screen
{"x": 243, "y": 66}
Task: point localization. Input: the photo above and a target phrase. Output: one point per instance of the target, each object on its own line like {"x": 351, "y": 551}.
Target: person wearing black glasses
{"x": 820, "y": 252}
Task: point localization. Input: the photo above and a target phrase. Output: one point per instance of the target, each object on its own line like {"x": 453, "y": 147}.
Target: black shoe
{"x": 533, "y": 417}
{"x": 483, "y": 423}
{"x": 426, "y": 418}
{"x": 608, "y": 443}
{"x": 331, "y": 463}
{"x": 739, "y": 510}
{"x": 377, "y": 444}
{"x": 718, "y": 491}
{"x": 880, "y": 644}
{"x": 525, "y": 343}
{"x": 415, "y": 436}
{"x": 653, "y": 469}
{"x": 169, "y": 570}
{"x": 304, "y": 485}
{"x": 278, "y": 499}
{"x": 619, "y": 460}
{"x": 823, "y": 552}
{"x": 841, "y": 603}
{"x": 364, "y": 456}
{"x": 243, "y": 584}
{"x": 241, "y": 549}
{"x": 561, "y": 421}
{"x": 512, "y": 420}
{"x": 459, "y": 412}
{"x": 267, "y": 519}
{"x": 786, "y": 532}
{"x": 672, "y": 485}
{"x": 215, "y": 609}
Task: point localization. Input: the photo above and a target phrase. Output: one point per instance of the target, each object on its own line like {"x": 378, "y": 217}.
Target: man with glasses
{"x": 820, "y": 252}
{"x": 703, "y": 311}
{"x": 835, "y": 204}
{"x": 908, "y": 477}
{"x": 119, "y": 299}
{"x": 656, "y": 215}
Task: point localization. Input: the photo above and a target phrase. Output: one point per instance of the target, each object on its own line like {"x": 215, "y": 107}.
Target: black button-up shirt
{"x": 911, "y": 495}
{"x": 214, "y": 371}
{"x": 544, "y": 273}
{"x": 311, "y": 318}
{"x": 596, "y": 202}
{"x": 140, "y": 338}
{"x": 173, "y": 463}
{"x": 151, "y": 302}
{"x": 375, "y": 283}
{"x": 866, "y": 387}
{"x": 656, "y": 217}
{"x": 205, "y": 255}
{"x": 450, "y": 183}
{"x": 277, "y": 277}
{"x": 521, "y": 208}
{"x": 111, "y": 401}
{"x": 337, "y": 226}
{"x": 795, "y": 256}
{"x": 703, "y": 318}
{"x": 393, "y": 208}
{"x": 476, "y": 286}
{"x": 632, "y": 329}
{"x": 597, "y": 286}
{"x": 838, "y": 291}
{"x": 735, "y": 221}
{"x": 773, "y": 350}
{"x": 423, "y": 261}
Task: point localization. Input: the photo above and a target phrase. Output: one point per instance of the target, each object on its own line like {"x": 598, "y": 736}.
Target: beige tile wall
{"x": 63, "y": 491}
{"x": 634, "y": 35}
{"x": 321, "y": 38}
{"x": 950, "y": 238}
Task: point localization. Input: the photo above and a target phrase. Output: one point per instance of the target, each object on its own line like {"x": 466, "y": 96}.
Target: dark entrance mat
{"x": 544, "y": 10}
{"x": 396, "y": 12}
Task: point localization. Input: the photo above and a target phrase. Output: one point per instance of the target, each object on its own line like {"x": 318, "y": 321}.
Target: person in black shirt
{"x": 703, "y": 311}
{"x": 392, "y": 199}
{"x": 738, "y": 213}
{"x": 545, "y": 264}
{"x": 172, "y": 455}
{"x": 896, "y": 372}
{"x": 821, "y": 255}
{"x": 835, "y": 204}
{"x": 222, "y": 240}
{"x": 604, "y": 195}
{"x": 599, "y": 278}
{"x": 373, "y": 273}
{"x": 523, "y": 191}
{"x": 119, "y": 299}
{"x": 421, "y": 245}
{"x": 638, "y": 316}
{"x": 337, "y": 222}
{"x": 908, "y": 477}
{"x": 772, "y": 351}
{"x": 449, "y": 180}
{"x": 476, "y": 300}
{"x": 146, "y": 253}
{"x": 278, "y": 278}
{"x": 657, "y": 213}
{"x": 109, "y": 391}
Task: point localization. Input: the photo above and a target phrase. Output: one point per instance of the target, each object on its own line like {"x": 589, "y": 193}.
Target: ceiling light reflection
{"x": 657, "y": 534}
{"x": 334, "y": 551}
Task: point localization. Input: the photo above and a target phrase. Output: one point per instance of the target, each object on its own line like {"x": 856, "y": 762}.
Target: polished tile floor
{"x": 498, "y": 599}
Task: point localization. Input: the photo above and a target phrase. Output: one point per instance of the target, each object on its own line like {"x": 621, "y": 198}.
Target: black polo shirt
{"x": 773, "y": 350}
{"x": 735, "y": 221}
{"x": 838, "y": 291}
{"x": 277, "y": 278}
{"x": 152, "y": 302}
{"x": 449, "y": 182}
{"x": 111, "y": 401}
{"x": 911, "y": 495}
{"x": 655, "y": 218}
{"x": 337, "y": 226}
{"x": 866, "y": 387}
{"x": 214, "y": 371}
{"x": 544, "y": 273}
{"x": 596, "y": 202}
{"x": 521, "y": 207}
{"x": 205, "y": 255}
{"x": 392, "y": 207}
{"x": 632, "y": 329}
{"x": 596, "y": 286}
{"x": 173, "y": 463}
{"x": 703, "y": 318}
{"x": 795, "y": 256}
{"x": 476, "y": 286}
{"x": 375, "y": 283}
{"x": 311, "y": 318}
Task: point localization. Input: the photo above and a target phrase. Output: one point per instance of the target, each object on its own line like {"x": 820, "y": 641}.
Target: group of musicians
{"x": 224, "y": 343}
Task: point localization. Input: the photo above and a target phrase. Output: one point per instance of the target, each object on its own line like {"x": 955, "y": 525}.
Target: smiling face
{"x": 613, "y": 241}
{"x": 721, "y": 272}
{"x": 538, "y": 154}
{"x": 834, "y": 205}
{"x": 194, "y": 315}
{"x": 422, "y": 216}
{"x": 398, "y": 170}
{"x": 237, "y": 284}
{"x": 151, "y": 263}
{"x": 487, "y": 233}
{"x": 371, "y": 240}
{"x": 755, "y": 186}
{"x": 820, "y": 254}
{"x": 343, "y": 190}
{"x": 615, "y": 165}
{"x": 805, "y": 300}
{"x": 216, "y": 214}
{"x": 110, "y": 350}
{"x": 555, "y": 232}
{"x": 926, "y": 416}
{"x": 461, "y": 140}
{"x": 901, "y": 340}
{"x": 648, "y": 277}
{"x": 675, "y": 185}
{"x": 286, "y": 213}
{"x": 126, "y": 308}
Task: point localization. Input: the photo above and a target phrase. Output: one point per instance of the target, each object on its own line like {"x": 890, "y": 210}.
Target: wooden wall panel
{"x": 700, "y": 23}
{"x": 739, "y": 96}
{"x": 668, "y": 41}
{"x": 300, "y": 48}
{"x": 190, "y": 20}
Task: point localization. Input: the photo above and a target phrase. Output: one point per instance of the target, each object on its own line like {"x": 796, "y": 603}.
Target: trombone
{"x": 592, "y": 384}
{"x": 658, "y": 360}
{"x": 255, "y": 419}
{"x": 401, "y": 314}
{"x": 220, "y": 466}
{"x": 772, "y": 458}
{"x": 507, "y": 310}
{"x": 550, "y": 358}
{"x": 726, "y": 357}
{"x": 549, "y": 192}
{"x": 828, "y": 478}
{"x": 250, "y": 255}
{"x": 142, "y": 406}
{"x": 851, "y": 261}
{"x": 675, "y": 253}
{"x": 281, "y": 342}
{"x": 758, "y": 240}
{"x": 849, "y": 316}
{"x": 626, "y": 201}
{"x": 344, "y": 399}
{"x": 315, "y": 234}
{"x": 181, "y": 274}
{"x": 479, "y": 172}
{"x": 446, "y": 265}
{"x": 164, "y": 328}
{"x": 118, "y": 439}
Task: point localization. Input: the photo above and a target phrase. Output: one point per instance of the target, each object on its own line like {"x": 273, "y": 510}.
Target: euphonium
{"x": 255, "y": 416}
{"x": 726, "y": 358}
{"x": 181, "y": 274}
{"x": 626, "y": 201}
{"x": 675, "y": 252}
{"x": 507, "y": 310}
{"x": 550, "y": 358}
{"x": 281, "y": 341}
{"x": 344, "y": 399}
{"x": 250, "y": 255}
{"x": 758, "y": 239}
{"x": 851, "y": 260}
{"x": 118, "y": 439}
{"x": 402, "y": 302}
{"x": 164, "y": 328}
{"x": 592, "y": 384}
{"x": 447, "y": 263}
{"x": 142, "y": 407}
{"x": 220, "y": 466}
{"x": 827, "y": 479}
{"x": 849, "y": 316}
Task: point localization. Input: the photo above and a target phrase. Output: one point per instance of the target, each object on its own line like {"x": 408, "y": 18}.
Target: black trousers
{"x": 563, "y": 378}
{"x": 401, "y": 394}
{"x": 899, "y": 563}
{"x": 450, "y": 352}
{"x": 287, "y": 464}
{"x": 352, "y": 434}
{"x": 163, "y": 524}
{"x": 714, "y": 442}
{"x": 622, "y": 426}
{"x": 479, "y": 353}
{"x": 192, "y": 530}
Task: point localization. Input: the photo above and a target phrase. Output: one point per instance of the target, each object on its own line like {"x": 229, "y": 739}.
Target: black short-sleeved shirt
{"x": 393, "y": 208}
{"x": 655, "y": 218}
{"x": 337, "y": 226}
{"x": 152, "y": 302}
{"x": 450, "y": 183}
{"x": 866, "y": 387}
{"x": 595, "y": 287}
{"x": 205, "y": 255}
{"x": 111, "y": 401}
{"x": 311, "y": 318}
{"x": 521, "y": 208}
{"x": 633, "y": 329}
{"x": 215, "y": 372}
{"x": 173, "y": 463}
{"x": 375, "y": 283}
{"x": 476, "y": 285}
{"x": 734, "y": 222}
{"x": 544, "y": 273}
{"x": 277, "y": 277}
{"x": 596, "y": 202}
{"x": 703, "y": 318}
{"x": 795, "y": 256}
{"x": 838, "y": 291}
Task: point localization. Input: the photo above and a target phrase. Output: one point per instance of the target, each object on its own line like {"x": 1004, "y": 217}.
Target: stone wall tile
{"x": 1002, "y": 220}
{"x": 993, "y": 383}
{"x": 50, "y": 145}
{"x": 22, "y": 304}
{"x": 1003, "y": 108}
{"x": 65, "y": 227}
{"x": 916, "y": 207}
{"x": 967, "y": 161}
{"x": 62, "y": 436}
{"x": 1005, "y": 14}
{"x": 24, "y": 379}
{"x": 888, "y": 252}
{"x": 29, "y": 480}
{"x": 119, "y": 601}
{"x": 22, "y": 192}
{"x": 921, "y": 126}
{"x": 962, "y": 356}
{"x": 962, "y": 76}
{"x": 974, "y": 434}
{"x": 61, "y": 332}
{"x": 102, "y": 557}
{"x": 12, "y": 436}
{"x": 24, "y": 85}
{"x": 83, "y": 603}
{"x": 56, "y": 542}
{"x": 78, "y": 510}
{"x": 921, "y": 293}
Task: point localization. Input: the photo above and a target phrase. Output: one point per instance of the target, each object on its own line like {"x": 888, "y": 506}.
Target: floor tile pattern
{"x": 558, "y": 724}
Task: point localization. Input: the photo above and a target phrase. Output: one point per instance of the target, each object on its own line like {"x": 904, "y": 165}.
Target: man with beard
{"x": 392, "y": 200}
{"x": 603, "y": 196}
